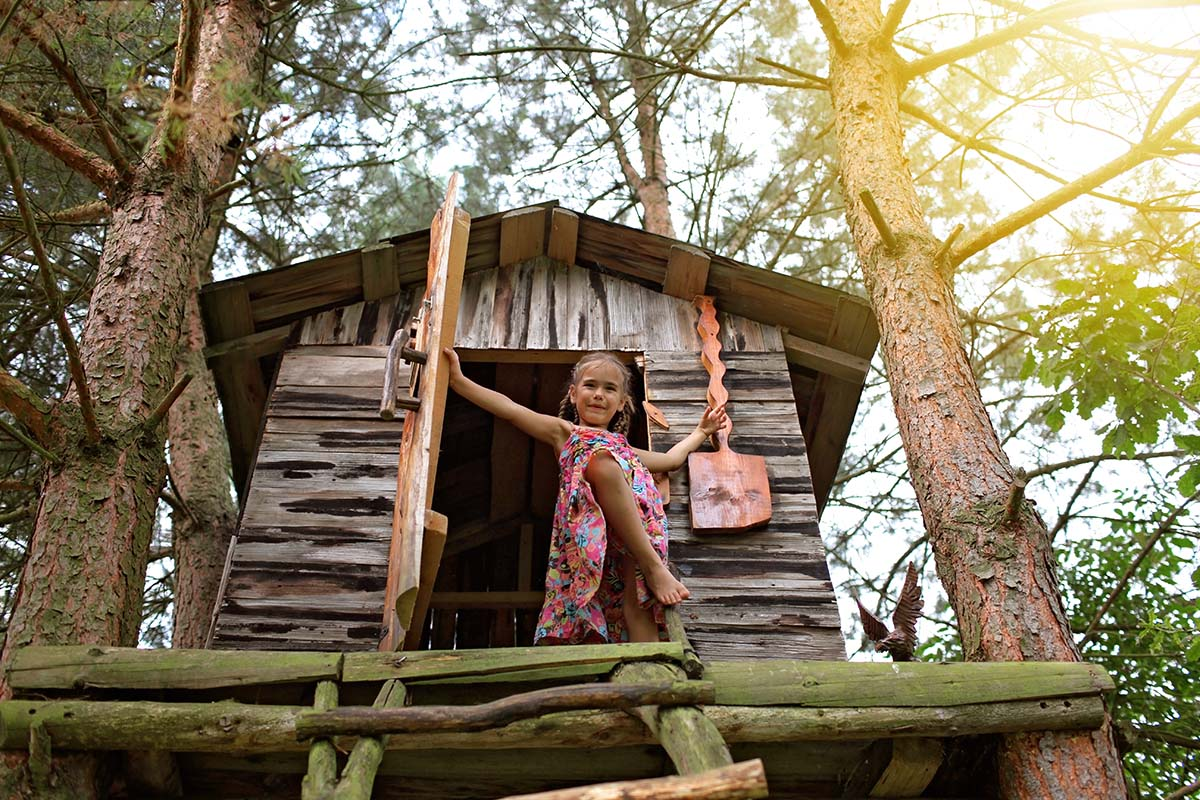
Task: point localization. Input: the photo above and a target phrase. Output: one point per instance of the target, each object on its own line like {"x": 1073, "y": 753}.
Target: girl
{"x": 600, "y": 589}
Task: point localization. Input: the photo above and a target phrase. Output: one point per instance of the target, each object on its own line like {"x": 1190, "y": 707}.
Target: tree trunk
{"x": 652, "y": 185}
{"x": 998, "y": 569}
{"x": 200, "y": 466}
{"x": 82, "y": 582}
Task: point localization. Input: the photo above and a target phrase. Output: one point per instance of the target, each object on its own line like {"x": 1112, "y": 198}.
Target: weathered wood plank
{"x": 522, "y": 235}
{"x": 379, "y": 275}
{"x": 564, "y": 235}
{"x": 369, "y": 474}
{"x": 471, "y": 664}
{"x": 475, "y": 320}
{"x": 332, "y": 370}
{"x": 913, "y": 764}
{"x": 335, "y": 436}
{"x": 741, "y": 781}
{"x": 687, "y": 272}
{"x": 421, "y": 443}
{"x": 96, "y": 666}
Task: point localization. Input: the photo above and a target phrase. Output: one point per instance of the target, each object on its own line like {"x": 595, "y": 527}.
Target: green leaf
{"x": 1190, "y": 480}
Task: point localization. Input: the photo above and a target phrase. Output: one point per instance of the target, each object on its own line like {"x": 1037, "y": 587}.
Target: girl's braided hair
{"x": 624, "y": 417}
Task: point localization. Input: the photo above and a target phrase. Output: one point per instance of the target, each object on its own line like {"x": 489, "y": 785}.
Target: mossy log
{"x": 322, "y": 755}
{"x": 362, "y": 766}
{"x": 377, "y": 721}
{"x": 510, "y": 663}
{"x": 826, "y": 684}
{"x": 743, "y": 781}
{"x": 94, "y": 666}
{"x": 690, "y": 739}
{"x": 236, "y": 728}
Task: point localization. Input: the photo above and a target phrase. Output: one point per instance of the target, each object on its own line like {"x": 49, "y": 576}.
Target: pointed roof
{"x": 829, "y": 335}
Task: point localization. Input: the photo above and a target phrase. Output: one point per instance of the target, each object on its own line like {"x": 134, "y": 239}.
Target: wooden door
{"x": 408, "y": 585}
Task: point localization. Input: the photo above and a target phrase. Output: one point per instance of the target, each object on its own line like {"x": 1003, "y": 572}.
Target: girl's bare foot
{"x": 667, "y": 589}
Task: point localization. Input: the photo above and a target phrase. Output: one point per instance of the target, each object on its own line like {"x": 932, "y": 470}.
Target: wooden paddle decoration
{"x": 729, "y": 491}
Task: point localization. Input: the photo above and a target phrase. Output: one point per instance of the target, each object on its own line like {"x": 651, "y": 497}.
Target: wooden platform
{"x": 230, "y": 720}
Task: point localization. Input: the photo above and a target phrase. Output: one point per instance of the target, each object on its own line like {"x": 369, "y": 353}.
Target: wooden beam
{"x": 477, "y": 533}
{"x": 828, "y": 360}
{"x": 687, "y": 272}
{"x": 863, "y": 684}
{"x": 690, "y": 738}
{"x": 260, "y": 344}
{"x": 835, "y": 400}
{"x": 488, "y": 600}
{"x": 379, "y": 275}
{"x": 913, "y": 764}
{"x": 470, "y": 665}
{"x": 243, "y": 392}
{"x": 431, "y": 559}
{"x": 741, "y": 781}
{"x": 522, "y": 235}
{"x": 564, "y": 235}
{"x": 532, "y": 356}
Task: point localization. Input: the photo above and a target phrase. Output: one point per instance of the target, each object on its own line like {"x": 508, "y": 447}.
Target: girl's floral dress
{"x": 583, "y": 580}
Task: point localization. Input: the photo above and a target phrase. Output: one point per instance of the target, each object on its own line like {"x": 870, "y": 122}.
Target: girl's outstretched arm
{"x": 713, "y": 420}
{"x": 543, "y": 427}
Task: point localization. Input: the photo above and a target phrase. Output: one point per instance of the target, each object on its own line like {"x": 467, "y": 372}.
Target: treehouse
{"x": 379, "y": 598}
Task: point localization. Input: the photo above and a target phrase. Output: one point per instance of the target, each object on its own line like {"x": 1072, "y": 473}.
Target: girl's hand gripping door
{"x": 418, "y": 532}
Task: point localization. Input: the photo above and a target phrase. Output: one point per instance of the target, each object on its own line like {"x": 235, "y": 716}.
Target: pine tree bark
{"x": 200, "y": 465}
{"x": 82, "y": 582}
{"x": 998, "y": 569}
{"x": 651, "y": 186}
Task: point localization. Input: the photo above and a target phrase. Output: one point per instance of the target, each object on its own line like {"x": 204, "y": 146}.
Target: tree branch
{"x": 829, "y": 26}
{"x": 1047, "y": 16}
{"x": 160, "y": 412}
{"x": 757, "y": 80}
{"x": 799, "y": 73}
{"x": 1075, "y": 462}
{"x": 982, "y": 146}
{"x": 1159, "y": 735}
{"x": 25, "y": 440}
{"x": 1184, "y": 791}
{"x": 85, "y": 212}
{"x": 24, "y": 404}
{"x": 1089, "y": 633}
{"x": 179, "y": 107}
{"x": 35, "y": 34}
{"x": 46, "y": 273}
{"x": 1144, "y": 151}
{"x": 59, "y": 145}
{"x": 892, "y": 21}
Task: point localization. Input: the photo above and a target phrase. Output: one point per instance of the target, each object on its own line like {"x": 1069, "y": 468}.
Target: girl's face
{"x": 597, "y": 394}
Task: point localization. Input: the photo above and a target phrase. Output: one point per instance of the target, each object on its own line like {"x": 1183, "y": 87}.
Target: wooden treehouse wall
{"x": 307, "y": 569}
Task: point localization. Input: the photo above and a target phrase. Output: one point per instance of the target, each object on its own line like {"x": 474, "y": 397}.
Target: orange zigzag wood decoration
{"x": 729, "y": 491}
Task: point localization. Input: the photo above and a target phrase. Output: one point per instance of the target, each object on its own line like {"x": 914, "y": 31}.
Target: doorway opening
{"x": 498, "y": 488}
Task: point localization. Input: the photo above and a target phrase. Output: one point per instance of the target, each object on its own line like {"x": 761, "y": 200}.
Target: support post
{"x": 358, "y": 777}
{"x": 690, "y": 738}
{"x": 322, "y": 755}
